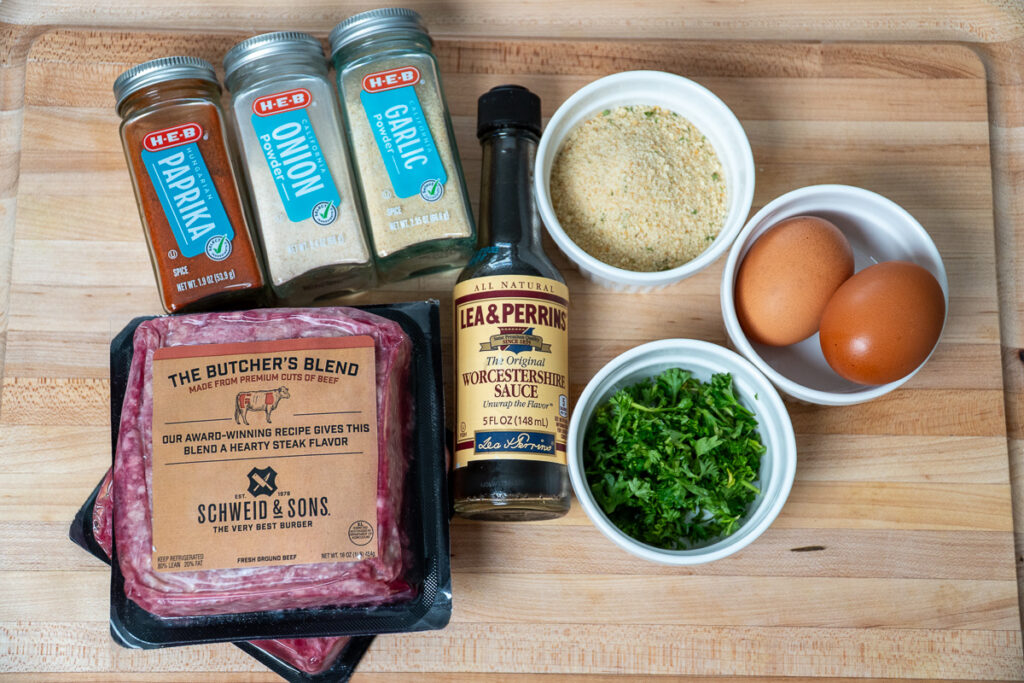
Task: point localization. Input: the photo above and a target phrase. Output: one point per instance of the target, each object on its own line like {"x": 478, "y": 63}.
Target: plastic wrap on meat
{"x": 312, "y": 655}
{"x": 369, "y": 581}
{"x": 103, "y": 514}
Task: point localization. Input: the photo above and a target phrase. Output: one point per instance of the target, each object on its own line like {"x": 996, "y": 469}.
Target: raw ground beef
{"x": 224, "y": 591}
{"x": 312, "y": 655}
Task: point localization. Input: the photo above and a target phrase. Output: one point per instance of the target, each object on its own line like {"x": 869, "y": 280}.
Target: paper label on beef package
{"x": 264, "y": 453}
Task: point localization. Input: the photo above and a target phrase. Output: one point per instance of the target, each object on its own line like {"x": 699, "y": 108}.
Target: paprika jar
{"x": 403, "y": 145}
{"x": 296, "y": 163}
{"x": 173, "y": 135}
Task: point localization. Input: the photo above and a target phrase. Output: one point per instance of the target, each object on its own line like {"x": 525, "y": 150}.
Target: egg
{"x": 787, "y": 278}
{"x": 883, "y": 322}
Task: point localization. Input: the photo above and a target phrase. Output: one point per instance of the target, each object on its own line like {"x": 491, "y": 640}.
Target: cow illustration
{"x": 264, "y": 401}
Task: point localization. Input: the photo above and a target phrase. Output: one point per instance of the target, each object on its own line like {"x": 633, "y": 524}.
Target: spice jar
{"x": 402, "y": 143}
{"x": 185, "y": 185}
{"x": 297, "y": 168}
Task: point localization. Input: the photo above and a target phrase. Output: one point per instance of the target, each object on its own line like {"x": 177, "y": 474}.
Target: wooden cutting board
{"x": 894, "y": 556}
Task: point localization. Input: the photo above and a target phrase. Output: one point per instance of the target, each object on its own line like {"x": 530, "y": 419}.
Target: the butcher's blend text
{"x": 248, "y": 444}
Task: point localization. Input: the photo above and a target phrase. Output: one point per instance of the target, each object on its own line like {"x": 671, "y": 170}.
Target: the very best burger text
{"x": 223, "y": 373}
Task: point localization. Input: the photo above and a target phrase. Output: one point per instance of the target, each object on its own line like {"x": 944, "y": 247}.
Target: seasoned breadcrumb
{"x": 639, "y": 187}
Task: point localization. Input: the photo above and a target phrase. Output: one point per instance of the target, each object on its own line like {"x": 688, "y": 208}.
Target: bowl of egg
{"x": 643, "y": 178}
{"x": 837, "y": 294}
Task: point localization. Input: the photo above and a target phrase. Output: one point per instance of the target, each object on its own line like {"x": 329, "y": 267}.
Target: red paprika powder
{"x": 186, "y": 187}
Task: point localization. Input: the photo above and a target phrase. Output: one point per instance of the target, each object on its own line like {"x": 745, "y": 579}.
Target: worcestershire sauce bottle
{"x": 511, "y": 334}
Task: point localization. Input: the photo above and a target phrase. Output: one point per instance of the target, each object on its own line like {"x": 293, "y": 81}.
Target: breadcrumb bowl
{"x": 674, "y": 93}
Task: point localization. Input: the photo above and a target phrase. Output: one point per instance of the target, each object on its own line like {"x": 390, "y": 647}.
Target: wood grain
{"x": 784, "y": 551}
{"x": 878, "y": 20}
{"x": 85, "y": 648}
{"x": 515, "y": 599}
{"x": 428, "y": 677}
{"x": 893, "y": 557}
{"x": 424, "y": 677}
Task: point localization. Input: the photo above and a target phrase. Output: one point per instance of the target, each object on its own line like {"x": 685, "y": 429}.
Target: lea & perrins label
{"x": 512, "y": 358}
{"x": 264, "y": 453}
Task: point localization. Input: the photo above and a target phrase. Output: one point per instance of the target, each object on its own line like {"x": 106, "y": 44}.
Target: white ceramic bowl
{"x": 675, "y": 93}
{"x": 778, "y": 464}
{"x": 879, "y": 230}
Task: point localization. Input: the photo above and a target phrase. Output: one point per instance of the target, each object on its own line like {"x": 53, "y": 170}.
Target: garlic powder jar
{"x": 403, "y": 146}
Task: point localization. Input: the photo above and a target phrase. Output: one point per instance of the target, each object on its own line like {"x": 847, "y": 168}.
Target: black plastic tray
{"x": 426, "y": 520}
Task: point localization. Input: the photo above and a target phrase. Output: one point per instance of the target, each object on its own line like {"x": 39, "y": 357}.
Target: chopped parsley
{"x": 672, "y": 460}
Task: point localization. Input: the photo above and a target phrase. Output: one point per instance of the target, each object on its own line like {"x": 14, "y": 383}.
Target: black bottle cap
{"x": 507, "y": 106}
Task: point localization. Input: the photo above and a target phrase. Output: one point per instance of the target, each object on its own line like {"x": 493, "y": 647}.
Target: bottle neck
{"x": 508, "y": 216}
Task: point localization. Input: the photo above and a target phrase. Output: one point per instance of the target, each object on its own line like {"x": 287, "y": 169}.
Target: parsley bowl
{"x": 750, "y": 388}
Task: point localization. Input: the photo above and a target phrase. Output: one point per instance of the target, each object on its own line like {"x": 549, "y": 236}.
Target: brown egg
{"x": 883, "y": 322}
{"x": 787, "y": 278}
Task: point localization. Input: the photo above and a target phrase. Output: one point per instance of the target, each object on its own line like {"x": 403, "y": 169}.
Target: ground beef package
{"x": 297, "y": 660}
{"x": 279, "y": 473}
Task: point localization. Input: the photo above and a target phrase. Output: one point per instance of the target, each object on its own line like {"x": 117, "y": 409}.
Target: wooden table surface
{"x": 894, "y": 556}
